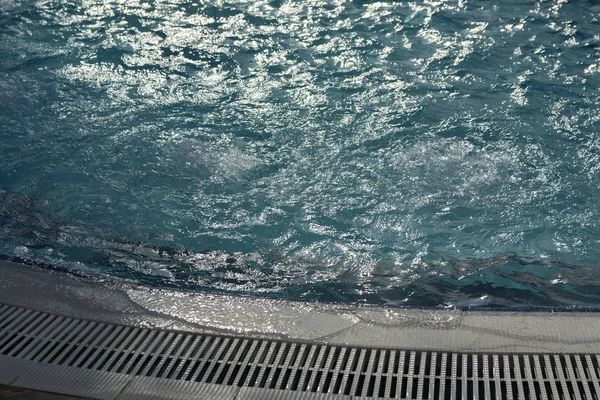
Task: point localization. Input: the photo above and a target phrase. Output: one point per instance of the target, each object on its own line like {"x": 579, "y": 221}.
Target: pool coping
{"x": 336, "y": 324}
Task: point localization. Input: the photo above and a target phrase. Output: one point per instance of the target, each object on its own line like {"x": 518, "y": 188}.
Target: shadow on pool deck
{"x": 12, "y": 393}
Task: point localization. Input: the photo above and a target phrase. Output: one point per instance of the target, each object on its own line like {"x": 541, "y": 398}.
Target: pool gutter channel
{"x": 66, "y": 335}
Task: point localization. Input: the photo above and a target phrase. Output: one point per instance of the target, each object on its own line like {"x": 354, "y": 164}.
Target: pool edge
{"x": 422, "y": 329}
{"x": 454, "y": 335}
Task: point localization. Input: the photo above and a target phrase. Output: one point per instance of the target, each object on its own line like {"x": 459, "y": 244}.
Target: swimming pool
{"x": 400, "y": 153}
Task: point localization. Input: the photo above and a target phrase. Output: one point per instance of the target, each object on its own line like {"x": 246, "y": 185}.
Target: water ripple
{"x": 397, "y": 152}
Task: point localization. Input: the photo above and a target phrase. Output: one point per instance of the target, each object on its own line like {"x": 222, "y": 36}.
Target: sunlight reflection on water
{"x": 437, "y": 152}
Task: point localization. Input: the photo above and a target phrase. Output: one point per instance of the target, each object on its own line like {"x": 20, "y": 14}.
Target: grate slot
{"x": 81, "y": 347}
{"x": 98, "y": 349}
{"x": 592, "y": 371}
{"x": 69, "y": 346}
{"x": 31, "y": 335}
{"x": 454, "y": 372}
{"x": 165, "y": 368}
{"x": 207, "y": 346}
{"x": 528, "y": 372}
{"x": 16, "y": 328}
{"x": 286, "y": 359}
{"x": 164, "y": 354}
{"x": 53, "y": 340}
{"x": 224, "y": 366}
{"x": 244, "y": 344}
{"x": 573, "y": 380}
{"x": 421, "y": 377}
{"x": 147, "y": 356}
{"x": 120, "y": 357}
{"x": 441, "y": 392}
{"x": 346, "y": 377}
{"x": 180, "y": 367}
{"x": 240, "y": 379}
{"x": 367, "y": 389}
{"x": 464, "y": 378}
{"x": 44, "y": 338}
{"x": 104, "y": 359}
{"x": 378, "y": 388}
{"x": 475, "y": 376}
{"x": 338, "y": 375}
{"x": 5, "y": 311}
{"x": 265, "y": 361}
{"x": 410, "y": 372}
{"x": 486, "y": 376}
{"x": 558, "y": 366}
{"x": 551, "y": 377}
{"x": 506, "y": 378}
{"x": 331, "y": 359}
{"x": 317, "y": 360}
{"x": 399, "y": 369}
{"x": 158, "y": 354}
{"x": 497, "y": 378}
{"x": 516, "y": 371}
{"x": 354, "y": 388}
{"x": 302, "y": 382}
{"x": 15, "y": 317}
{"x": 61, "y": 343}
{"x": 432, "y": 376}
{"x": 583, "y": 376}
{"x": 211, "y": 359}
{"x": 252, "y": 372}
{"x": 99, "y": 342}
{"x": 540, "y": 377}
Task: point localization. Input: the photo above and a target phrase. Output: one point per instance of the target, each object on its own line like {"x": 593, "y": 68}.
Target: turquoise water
{"x": 436, "y": 153}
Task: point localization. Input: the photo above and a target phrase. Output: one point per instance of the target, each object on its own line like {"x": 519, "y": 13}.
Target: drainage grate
{"x": 302, "y": 367}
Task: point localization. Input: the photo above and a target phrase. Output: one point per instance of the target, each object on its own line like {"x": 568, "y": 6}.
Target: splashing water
{"x": 393, "y": 152}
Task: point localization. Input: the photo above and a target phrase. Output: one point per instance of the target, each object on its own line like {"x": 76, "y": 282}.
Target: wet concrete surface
{"x": 447, "y": 330}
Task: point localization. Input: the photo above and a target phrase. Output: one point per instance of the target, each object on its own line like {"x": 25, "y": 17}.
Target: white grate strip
{"x": 47, "y": 340}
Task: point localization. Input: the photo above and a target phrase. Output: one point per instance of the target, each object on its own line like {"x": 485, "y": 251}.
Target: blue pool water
{"x": 432, "y": 153}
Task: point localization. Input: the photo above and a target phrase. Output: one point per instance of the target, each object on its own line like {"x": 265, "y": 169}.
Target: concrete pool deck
{"x": 449, "y": 331}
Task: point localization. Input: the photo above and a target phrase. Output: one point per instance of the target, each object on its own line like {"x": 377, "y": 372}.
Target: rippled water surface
{"x": 392, "y": 152}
